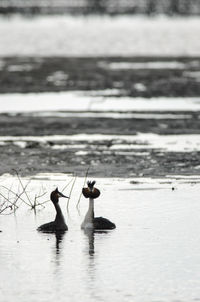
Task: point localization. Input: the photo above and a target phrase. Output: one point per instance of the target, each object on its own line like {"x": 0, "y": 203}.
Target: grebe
{"x": 91, "y": 222}
{"x": 58, "y": 225}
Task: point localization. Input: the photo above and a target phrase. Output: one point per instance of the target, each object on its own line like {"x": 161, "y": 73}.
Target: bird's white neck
{"x": 89, "y": 217}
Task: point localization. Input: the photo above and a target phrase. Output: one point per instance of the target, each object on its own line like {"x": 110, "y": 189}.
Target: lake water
{"x": 152, "y": 255}
{"x": 99, "y": 36}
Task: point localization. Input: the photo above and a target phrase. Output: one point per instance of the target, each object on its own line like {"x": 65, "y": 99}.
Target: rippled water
{"x": 152, "y": 255}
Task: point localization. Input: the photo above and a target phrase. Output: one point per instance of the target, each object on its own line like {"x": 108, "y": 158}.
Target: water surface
{"x": 99, "y": 36}
{"x": 152, "y": 255}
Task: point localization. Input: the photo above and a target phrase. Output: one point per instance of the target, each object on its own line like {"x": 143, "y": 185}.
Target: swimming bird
{"x": 58, "y": 225}
{"x": 91, "y": 222}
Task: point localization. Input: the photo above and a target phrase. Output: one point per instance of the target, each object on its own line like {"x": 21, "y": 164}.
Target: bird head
{"x": 55, "y": 195}
{"x": 90, "y": 191}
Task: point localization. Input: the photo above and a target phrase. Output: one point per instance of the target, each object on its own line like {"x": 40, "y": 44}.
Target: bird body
{"x": 101, "y": 223}
{"x": 91, "y": 222}
{"x": 58, "y": 225}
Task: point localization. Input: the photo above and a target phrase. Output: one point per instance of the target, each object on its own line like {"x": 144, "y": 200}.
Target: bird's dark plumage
{"x": 101, "y": 223}
{"x": 90, "y": 194}
{"x": 58, "y": 225}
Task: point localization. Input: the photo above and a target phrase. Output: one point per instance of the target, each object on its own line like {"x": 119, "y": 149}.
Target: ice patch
{"x": 19, "y": 68}
{"x": 166, "y": 143}
{"x": 81, "y": 153}
{"x": 68, "y": 146}
{"x": 113, "y": 115}
{"x": 79, "y": 101}
{"x": 20, "y": 144}
{"x": 143, "y": 65}
{"x": 58, "y": 78}
{"x": 192, "y": 74}
{"x": 140, "y": 87}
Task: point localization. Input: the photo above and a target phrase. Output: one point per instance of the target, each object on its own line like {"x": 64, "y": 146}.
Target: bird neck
{"x": 59, "y": 214}
{"x": 90, "y": 213}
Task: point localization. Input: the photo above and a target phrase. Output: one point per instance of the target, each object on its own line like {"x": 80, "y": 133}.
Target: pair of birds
{"x": 89, "y": 222}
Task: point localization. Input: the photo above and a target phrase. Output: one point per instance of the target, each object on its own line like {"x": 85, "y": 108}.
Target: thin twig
{"x": 6, "y": 214}
{"x": 3, "y": 206}
{"x": 67, "y": 184}
{"x": 41, "y": 203}
{"x": 11, "y": 203}
{"x": 10, "y": 190}
{"x": 18, "y": 195}
{"x": 71, "y": 193}
{"x": 39, "y": 196}
{"x": 38, "y": 203}
{"x": 86, "y": 175}
{"x": 23, "y": 187}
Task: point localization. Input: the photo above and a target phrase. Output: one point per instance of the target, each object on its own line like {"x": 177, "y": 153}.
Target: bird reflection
{"x": 59, "y": 237}
{"x": 90, "y": 233}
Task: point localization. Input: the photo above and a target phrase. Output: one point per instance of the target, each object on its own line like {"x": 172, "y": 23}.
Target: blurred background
{"x": 149, "y": 7}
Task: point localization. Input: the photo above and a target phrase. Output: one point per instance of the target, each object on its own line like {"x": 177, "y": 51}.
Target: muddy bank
{"x": 131, "y": 76}
{"x": 146, "y": 77}
{"x": 35, "y": 159}
{"x": 74, "y": 156}
{"x": 28, "y": 125}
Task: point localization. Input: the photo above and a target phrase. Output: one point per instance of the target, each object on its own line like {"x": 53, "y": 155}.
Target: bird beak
{"x": 62, "y": 195}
